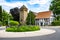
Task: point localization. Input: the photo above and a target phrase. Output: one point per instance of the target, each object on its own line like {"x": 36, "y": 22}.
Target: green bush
{"x": 14, "y": 23}
{"x": 56, "y": 23}
{"x": 28, "y": 28}
{"x": 0, "y": 23}
{"x": 23, "y": 28}
{"x": 12, "y": 29}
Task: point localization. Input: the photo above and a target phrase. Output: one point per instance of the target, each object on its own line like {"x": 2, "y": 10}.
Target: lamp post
{"x": 8, "y": 20}
{"x": 30, "y": 18}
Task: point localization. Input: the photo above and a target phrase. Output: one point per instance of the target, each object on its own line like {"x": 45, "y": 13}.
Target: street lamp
{"x": 8, "y": 20}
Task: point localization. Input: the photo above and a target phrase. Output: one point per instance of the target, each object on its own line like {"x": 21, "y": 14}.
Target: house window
{"x": 37, "y": 21}
{"x": 46, "y": 23}
{"x": 46, "y": 19}
{"x": 51, "y": 19}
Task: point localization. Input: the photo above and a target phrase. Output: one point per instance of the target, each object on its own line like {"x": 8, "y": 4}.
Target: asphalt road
{"x": 55, "y": 36}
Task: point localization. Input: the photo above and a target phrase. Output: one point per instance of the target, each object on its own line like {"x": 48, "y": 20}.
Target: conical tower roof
{"x": 23, "y": 7}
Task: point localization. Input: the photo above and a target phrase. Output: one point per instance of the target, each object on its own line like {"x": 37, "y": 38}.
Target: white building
{"x": 44, "y": 18}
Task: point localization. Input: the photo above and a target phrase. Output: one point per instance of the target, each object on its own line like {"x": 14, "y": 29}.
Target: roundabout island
{"x": 43, "y": 31}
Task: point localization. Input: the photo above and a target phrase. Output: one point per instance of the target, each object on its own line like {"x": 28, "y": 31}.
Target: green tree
{"x": 55, "y": 7}
{"x": 15, "y": 13}
{"x": 6, "y": 17}
{"x": 30, "y": 18}
{"x": 0, "y": 9}
{"x": 0, "y": 13}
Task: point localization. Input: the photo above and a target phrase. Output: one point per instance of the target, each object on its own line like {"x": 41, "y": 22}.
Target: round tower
{"x": 23, "y": 14}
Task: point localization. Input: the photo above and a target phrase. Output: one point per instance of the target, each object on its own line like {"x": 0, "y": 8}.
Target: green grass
{"x": 24, "y": 28}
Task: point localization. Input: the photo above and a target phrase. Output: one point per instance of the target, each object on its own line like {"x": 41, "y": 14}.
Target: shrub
{"x": 23, "y": 28}
{"x": 56, "y": 23}
{"x": 14, "y": 23}
{"x": 28, "y": 28}
{"x": 0, "y": 23}
{"x": 12, "y": 29}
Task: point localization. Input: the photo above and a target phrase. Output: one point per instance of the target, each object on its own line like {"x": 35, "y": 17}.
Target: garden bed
{"x": 23, "y": 28}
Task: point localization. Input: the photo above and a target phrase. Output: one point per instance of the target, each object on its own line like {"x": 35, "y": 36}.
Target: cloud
{"x": 38, "y": 2}
{"x": 43, "y": 5}
{"x": 13, "y": 4}
{"x": 34, "y": 5}
{"x": 8, "y": 5}
{"x": 15, "y": 0}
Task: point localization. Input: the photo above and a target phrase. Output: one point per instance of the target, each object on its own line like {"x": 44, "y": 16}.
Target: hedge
{"x": 14, "y": 23}
{"x": 56, "y": 23}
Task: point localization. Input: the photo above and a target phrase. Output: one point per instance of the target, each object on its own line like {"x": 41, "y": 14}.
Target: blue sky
{"x": 33, "y": 5}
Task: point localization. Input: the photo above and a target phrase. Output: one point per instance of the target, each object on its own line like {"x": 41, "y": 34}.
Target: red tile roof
{"x": 45, "y": 14}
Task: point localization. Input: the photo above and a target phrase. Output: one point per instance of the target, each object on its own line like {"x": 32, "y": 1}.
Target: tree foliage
{"x": 15, "y": 13}
{"x": 30, "y": 18}
{"x": 4, "y": 16}
{"x": 55, "y": 6}
{"x": 0, "y": 9}
{"x": 0, "y": 13}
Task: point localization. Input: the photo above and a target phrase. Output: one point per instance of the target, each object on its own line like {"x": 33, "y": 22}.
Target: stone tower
{"x": 23, "y": 14}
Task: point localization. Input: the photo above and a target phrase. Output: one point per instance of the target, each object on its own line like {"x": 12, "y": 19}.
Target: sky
{"x": 33, "y": 5}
